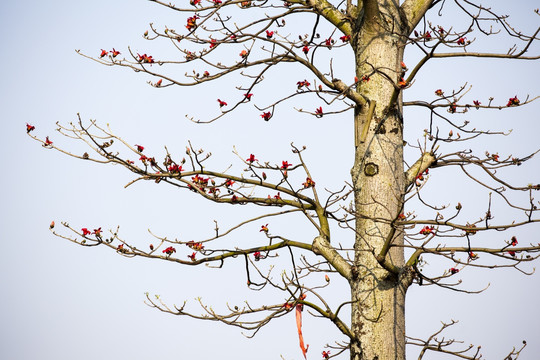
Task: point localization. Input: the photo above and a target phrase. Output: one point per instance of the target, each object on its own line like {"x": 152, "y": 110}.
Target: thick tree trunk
{"x": 378, "y": 295}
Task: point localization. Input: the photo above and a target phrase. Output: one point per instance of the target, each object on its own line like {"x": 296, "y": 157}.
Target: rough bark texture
{"x": 378, "y": 311}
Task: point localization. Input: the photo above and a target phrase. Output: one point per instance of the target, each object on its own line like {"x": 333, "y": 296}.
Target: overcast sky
{"x": 63, "y": 301}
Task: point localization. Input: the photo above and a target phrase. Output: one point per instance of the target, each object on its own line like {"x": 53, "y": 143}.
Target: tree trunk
{"x": 378, "y": 295}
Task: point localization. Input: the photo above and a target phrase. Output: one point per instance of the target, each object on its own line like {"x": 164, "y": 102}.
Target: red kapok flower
{"x": 103, "y": 53}
{"x": 305, "y": 49}
{"x": 248, "y": 96}
{"x": 257, "y": 255}
{"x": 345, "y": 38}
{"x": 266, "y": 115}
{"x": 213, "y": 43}
{"x": 452, "y": 108}
{"x": 269, "y": 34}
{"x": 229, "y": 183}
{"x": 244, "y": 54}
{"x": 175, "y": 168}
{"x": 221, "y": 103}
{"x": 476, "y": 103}
{"x": 427, "y": 35}
{"x": 97, "y": 232}
{"x": 439, "y": 92}
{"x": 511, "y": 253}
{"x": 513, "y": 101}
{"x": 453, "y": 271}
{"x": 140, "y": 148}
{"x": 278, "y": 196}
{"x": 285, "y": 165}
{"x": 195, "y": 245}
{"x": 158, "y": 83}
{"x": 326, "y": 354}
{"x": 85, "y": 231}
{"x": 192, "y": 256}
{"x": 206, "y": 73}
{"x": 194, "y": 2}
{"x": 329, "y": 42}
{"x": 402, "y": 83}
{"x": 251, "y": 158}
{"x": 461, "y": 41}
{"x": 303, "y": 83}
{"x": 169, "y": 251}
{"x": 47, "y": 141}
{"x": 309, "y": 183}
{"x": 264, "y": 228}
{"x": 192, "y": 22}
{"x": 514, "y": 241}
{"x": 426, "y": 230}
{"x": 30, "y": 128}
{"x": 319, "y": 112}
{"x": 115, "y": 52}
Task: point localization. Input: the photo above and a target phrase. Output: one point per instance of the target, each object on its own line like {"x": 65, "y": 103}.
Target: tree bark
{"x": 378, "y": 293}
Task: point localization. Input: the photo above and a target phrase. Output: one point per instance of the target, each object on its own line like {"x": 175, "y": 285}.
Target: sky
{"x": 61, "y": 300}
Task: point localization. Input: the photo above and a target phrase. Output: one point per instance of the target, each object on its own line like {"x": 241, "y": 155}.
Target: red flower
{"x": 145, "y": 58}
{"x": 454, "y": 271}
{"x": 266, "y": 115}
{"x": 461, "y": 41}
{"x": 248, "y": 96}
{"x": 452, "y": 108}
{"x": 269, "y": 34}
{"x": 229, "y": 182}
{"x": 234, "y": 198}
{"x": 476, "y": 103}
{"x": 151, "y": 247}
{"x": 206, "y": 74}
{"x": 263, "y": 175}
{"x": 309, "y": 183}
{"x": 319, "y": 112}
{"x": 402, "y": 83}
{"x": 158, "y": 84}
{"x": 329, "y": 42}
{"x": 471, "y": 229}
{"x": 195, "y": 245}
{"x": 472, "y": 256}
{"x": 97, "y": 232}
{"x": 513, "y": 101}
{"x": 439, "y": 92}
{"x": 365, "y": 78}
{"x": 257, "y": 255}
{"x": 244, "y": 54}
{"x": 217, "y": 2}
{"x": 52, "y": 225}
{"x": 326, "y": 354}
{"x": 175, "y": 168}
{"x": 48, "y": 142}
{"x": 495, "y": 157}
{"x": 139, "y": 148}
{"x": 192, "y": 256}
{"x": 277, "y": 197}
{"x": 514, "y": 241}
{"x": 288, "y": 305}
{"x": 169, "y": 251}
{"x": 194, "y": 2}
{"x": 427, "y": 35}
{"x": 264, "y": 228}
{"x": 285, "y": 165}
{"x": 30, "y": 128}
{"x": 103, "y": 53}
{"x": 145, "y": 33}
{"x": 251, "y": 158}
{"x": 403, "y": 66}
{"x": 85, "y": 231}
{"x": 440, "y": 29}
{"x": 305, "y": 49}
{"x": 221, "y": 103}
{"x": 120, "y": 248}
{"x": 192, "y": 22}
{"x": 345, "y": 38}
{"x": 511, "y": 253}
{"x": 303, "y": 83}
{"x": 426, "y": 230}
{"x": 213, "y": 43}
{"x": 115, "y": 53}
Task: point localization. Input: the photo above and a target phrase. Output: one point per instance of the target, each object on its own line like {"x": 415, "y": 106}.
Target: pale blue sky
{"x": 61, "y": 301}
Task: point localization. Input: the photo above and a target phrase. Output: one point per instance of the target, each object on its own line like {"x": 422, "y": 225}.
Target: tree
{"x": 393, "y": 237}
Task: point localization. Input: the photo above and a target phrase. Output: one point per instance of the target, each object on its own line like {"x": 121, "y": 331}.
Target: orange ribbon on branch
{"x": 299, "y": 308}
